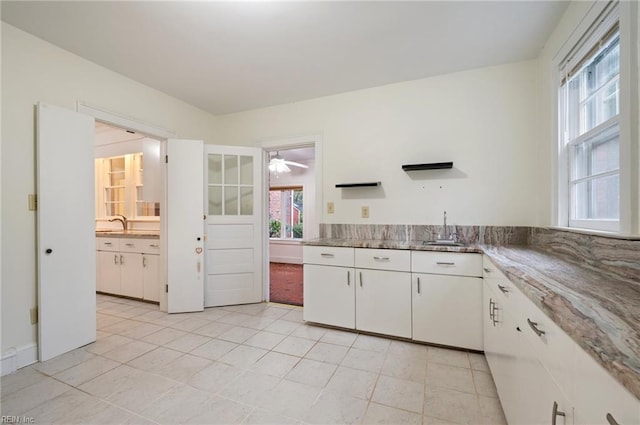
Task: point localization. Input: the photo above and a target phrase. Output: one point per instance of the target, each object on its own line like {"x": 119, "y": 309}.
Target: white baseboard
{"x": 16, "y": 358}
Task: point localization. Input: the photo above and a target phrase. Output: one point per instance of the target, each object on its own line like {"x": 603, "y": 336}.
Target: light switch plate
{"x": 330, "y": 208}
{"x": 365, "y": 212}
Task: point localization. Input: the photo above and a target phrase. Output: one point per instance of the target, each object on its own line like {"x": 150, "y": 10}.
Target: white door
{"x": 66, "y": 231}
{"x": 234, "y": 225}
{"x": 184, "y": 226}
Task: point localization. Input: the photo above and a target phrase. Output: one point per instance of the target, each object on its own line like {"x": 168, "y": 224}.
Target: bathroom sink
{"x": 443, "y": 242}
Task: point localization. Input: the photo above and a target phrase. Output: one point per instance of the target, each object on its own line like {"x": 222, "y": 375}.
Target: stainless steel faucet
{"x": 122, "y": 219}
{"x": 445, "y": 226}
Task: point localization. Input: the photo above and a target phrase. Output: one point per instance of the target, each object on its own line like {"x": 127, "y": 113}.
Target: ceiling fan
{"x": 278, "y": 164}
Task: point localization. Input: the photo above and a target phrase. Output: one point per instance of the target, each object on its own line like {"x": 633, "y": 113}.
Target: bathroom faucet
{"x": 445, "y": 226}
{"x": 122, "y": 219}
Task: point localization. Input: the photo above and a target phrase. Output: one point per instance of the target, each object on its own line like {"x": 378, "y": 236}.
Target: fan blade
{"x": 296, "y": 164}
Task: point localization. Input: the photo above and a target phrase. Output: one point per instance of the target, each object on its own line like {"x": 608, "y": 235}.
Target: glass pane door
{"x": 230, "y": 184}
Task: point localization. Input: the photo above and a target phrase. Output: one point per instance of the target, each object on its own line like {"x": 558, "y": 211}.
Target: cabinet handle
{"x": 115, "y": 258}
{"x": 555, "y": 413}
{"x": 381, "y": 258}
{"x": 108, "y": 243}
{"x": 487, "y": 270}
{"x": 503, "y": 289}
{"x": 122, "y": 260}
{"x": 144, "y": 261}
{"x": 534, "y": 326}
{"x": 418, "y": 285}
{"x": 611, "y": 420}
{"x": 446, "y": 263}
{"x": 491, "y": 303}
{"x": 327, "y": 255}
{"x": 348, "y": 278}
{"x": 129, "y": 244}
{"x": 361, "y": 279}
{"x": 153, "y": 245}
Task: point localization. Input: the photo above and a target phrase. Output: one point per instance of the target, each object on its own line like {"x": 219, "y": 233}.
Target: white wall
{"x": 32, "y": 71}
{"x": 291, "y": 251}
{"x": 484, "y": 120}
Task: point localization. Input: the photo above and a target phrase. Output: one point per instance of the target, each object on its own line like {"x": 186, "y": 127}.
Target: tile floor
{"x": 252, "y": 364}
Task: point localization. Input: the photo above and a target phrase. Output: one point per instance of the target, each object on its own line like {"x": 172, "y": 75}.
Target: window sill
{"x": 286, "y": 241}
{"x": 602, "y": 233}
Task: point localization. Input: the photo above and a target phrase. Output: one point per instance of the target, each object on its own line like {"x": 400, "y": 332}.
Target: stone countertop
{"x": 388, "y": 244}
{"x": 141, "y": 234}
{"x": 599, "y": 311}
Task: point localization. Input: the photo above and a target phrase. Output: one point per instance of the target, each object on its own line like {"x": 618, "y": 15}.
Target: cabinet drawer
{"x": 383, "y": 259}
{"x": 108, "y": 244}
{"x": 452, "y": 263}
{"x": 131, "y": 245}
{"x": 328, "y": 255}
{"x": 150, "y": 246}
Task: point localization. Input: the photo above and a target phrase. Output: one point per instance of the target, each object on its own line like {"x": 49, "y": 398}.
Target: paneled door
{"x": 66, "y": 249}
{"x": 234, "y": 225}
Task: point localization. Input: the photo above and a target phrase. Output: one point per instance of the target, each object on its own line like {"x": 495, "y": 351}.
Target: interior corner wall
{"x": 34, "y": 70}
{"x": 484, "y": 120}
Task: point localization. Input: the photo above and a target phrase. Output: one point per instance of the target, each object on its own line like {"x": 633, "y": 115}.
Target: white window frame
{"x": 282, "y": 204}
{"x": 595, "y": 24}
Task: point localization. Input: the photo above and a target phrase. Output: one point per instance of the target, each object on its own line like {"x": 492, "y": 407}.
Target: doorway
{"x": 292, "y": 192}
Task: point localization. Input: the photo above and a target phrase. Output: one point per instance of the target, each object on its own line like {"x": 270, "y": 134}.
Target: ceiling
{"x": 234, "y": 56}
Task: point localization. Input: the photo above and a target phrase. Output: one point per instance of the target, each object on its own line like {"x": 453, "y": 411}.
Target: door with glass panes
{"x": 233, "y": 199}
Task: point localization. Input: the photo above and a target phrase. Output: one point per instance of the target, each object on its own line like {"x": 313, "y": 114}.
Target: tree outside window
{"x": 285, "y": 213}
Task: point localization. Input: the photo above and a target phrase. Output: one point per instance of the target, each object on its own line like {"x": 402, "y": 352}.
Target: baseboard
{"x": 16, "y": 358}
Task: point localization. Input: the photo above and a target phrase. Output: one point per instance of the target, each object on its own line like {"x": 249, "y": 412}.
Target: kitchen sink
{"x": 443, "y": 242}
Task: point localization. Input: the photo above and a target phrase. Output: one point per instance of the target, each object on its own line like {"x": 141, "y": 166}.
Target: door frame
{"x": 273, "y": 145}
{"x": 155, "y": 132}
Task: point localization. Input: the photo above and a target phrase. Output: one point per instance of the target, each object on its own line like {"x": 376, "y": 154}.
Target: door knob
{"x": 48, "y": 251}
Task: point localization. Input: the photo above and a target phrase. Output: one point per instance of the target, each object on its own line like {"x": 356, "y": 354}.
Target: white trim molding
{"x": 17, "y": 358}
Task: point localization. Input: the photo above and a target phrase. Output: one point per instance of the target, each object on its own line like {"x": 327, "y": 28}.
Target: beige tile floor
{"x": 252, "y": 364}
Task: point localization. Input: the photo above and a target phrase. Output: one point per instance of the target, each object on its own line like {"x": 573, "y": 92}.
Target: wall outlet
{"x": 34, "y": 315}
{"x": 330, "y": 208}
{"x": 365, "y": 212}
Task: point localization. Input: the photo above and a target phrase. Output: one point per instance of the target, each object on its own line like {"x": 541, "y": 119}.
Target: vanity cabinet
{"x": 446, "y": 298}
{"x": 128, "y": 267}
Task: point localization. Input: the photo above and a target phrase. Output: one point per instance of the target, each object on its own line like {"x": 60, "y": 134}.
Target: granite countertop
{"x": 142, "y": 234}
{"x": 599, "y": 311}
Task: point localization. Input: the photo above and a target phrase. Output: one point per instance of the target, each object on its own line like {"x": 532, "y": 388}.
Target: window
{"x": 589, "y": 105}
{"x": 285, "y": 213}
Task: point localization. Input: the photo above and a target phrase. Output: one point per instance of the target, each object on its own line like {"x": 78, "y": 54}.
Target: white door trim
{"x": 271, "y": 145}
{"x": 125, "y": 122}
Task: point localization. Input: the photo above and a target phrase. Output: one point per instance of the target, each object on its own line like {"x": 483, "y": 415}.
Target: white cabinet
{"x": 383, "y": 302}
{"x": 447, "y": 298}
{"x": 128, "y": 267}
{"x": 539, "y": 370}
{"x": 329, "y": 286}
{"x": 329, "y": 295}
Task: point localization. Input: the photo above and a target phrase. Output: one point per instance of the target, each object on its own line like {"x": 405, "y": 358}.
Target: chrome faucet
{"x": 122, "y": 219}
{"x": 445, "y": 226}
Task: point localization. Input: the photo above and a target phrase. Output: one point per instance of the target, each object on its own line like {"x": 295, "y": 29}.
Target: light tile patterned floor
{"x": 252, "y": 364}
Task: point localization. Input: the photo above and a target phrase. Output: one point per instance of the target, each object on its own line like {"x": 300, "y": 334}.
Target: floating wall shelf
{"x": 428, "y": 166}
{"x": 351, "y": 185}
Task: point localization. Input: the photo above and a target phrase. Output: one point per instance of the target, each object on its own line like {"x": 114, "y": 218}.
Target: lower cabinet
{"x": 122, "y": 272}
{"x": 446, "y": 310}
{"x": 383, "y": 302}
{"x": 329, "y": 295}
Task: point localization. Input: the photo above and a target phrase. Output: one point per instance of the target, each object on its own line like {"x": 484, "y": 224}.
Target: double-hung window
{"x": 285, "y": 213}
{"x": 589, "y": 106}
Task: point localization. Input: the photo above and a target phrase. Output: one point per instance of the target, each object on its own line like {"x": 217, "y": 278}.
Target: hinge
{"x": 166, "y": 159}
{"x": 166, "y": 288}
{"x": 34, "y": 315}
{"x": 33, "y": 202}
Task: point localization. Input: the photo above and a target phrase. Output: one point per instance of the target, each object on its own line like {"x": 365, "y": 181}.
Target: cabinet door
{"x": 150, "y": 277}
{"x": 131, "y": 274}
{"x": 447, "y": 310}
{"x": 108, "y": 272}
{"x": 383, "y": 302}
{"x": 329, "y": 295}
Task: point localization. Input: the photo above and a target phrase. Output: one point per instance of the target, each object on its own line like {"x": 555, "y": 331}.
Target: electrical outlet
{"x": 330, "y": 208}
{"x": 365, "y": 212}
{"x": 34, "y": 315}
